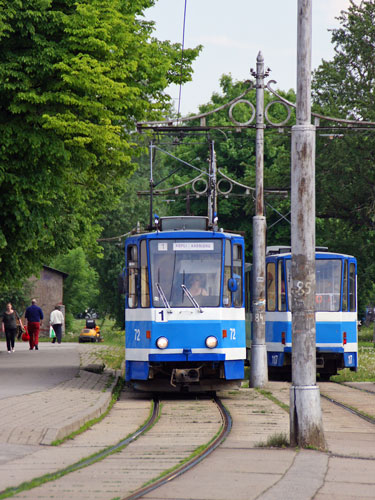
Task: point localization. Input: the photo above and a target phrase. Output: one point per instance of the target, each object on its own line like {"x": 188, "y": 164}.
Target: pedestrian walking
{"x": 56, "y": 320}
{"x": 34, "y": 316}
{"x": 9, "y": 325}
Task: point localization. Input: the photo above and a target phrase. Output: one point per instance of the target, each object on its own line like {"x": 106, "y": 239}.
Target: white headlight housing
{"x": 162, "y": 343}
{"x": 211, "y": 342}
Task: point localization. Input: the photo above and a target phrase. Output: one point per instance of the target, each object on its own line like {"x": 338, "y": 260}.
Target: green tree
{"x": 131, "y": 211}
{"x": 235, "y": 156}
{"x": 344, "y": 87}
{"x": 75, "y": 77}
{"x": 20, "y": 297}
{"x": 81, "y": 284}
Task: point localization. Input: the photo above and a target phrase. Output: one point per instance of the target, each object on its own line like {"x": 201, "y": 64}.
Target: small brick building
{"x": 48, "y": 291}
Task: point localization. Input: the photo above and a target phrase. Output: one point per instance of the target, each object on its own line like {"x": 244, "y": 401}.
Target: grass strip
{"x": 271, "y": 397}
{"x": 115, "y": 395}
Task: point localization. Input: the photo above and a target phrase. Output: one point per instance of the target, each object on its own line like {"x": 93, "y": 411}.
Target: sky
{"x": 232, "y": 34}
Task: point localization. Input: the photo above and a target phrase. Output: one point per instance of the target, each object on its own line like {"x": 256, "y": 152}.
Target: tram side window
{"x": 352, "y": 282}
{"x": 248, "y": 276}
{"x": 145, "y": 290}
{"x": 227, "y": 274}
{"x": 271, "y": 286}
{"x": 345, "y": 288}
{"x": 281, "y": 287}
{"x": 132, "y": 260}
{"x": 237, "y": 275}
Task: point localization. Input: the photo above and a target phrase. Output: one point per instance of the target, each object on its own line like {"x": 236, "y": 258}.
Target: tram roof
{"x": 181, "y": 233}
{"x": 185, "y": 227}
{"x": 283, "y": 251}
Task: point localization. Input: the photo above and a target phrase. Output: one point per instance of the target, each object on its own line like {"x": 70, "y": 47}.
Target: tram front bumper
{"x": 186, "y": 356}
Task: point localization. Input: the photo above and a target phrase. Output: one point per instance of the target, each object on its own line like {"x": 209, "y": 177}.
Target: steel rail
{"x": 225, "y": 430}
{"x": 367, "y": 418}
{"x": 368, "y": 391}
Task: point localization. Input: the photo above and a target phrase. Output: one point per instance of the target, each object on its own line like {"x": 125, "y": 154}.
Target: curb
{"x": 53, "y": 434}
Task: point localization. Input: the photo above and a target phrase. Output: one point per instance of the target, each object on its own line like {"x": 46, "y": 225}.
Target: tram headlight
{"x": 162, "y": 343}
{"x": 211, "y": 342}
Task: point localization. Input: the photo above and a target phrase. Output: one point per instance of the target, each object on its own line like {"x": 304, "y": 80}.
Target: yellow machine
{"x": 91, "y": 332}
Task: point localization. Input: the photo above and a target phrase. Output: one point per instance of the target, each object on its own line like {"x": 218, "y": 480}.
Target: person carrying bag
{"x": 9, "y": 326}
{"x": 56, "y": 321}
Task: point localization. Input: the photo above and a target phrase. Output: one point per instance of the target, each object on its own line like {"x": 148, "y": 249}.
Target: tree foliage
{"x": 345, "y": 177}
{"x": 75, "y": 77}
{"x": 81, "y": 284}
{"x": 132, "y": 210}
{"x": 346, "y": 85}
{"x": 345, "y": 195}
{"x": 236, "y": 158}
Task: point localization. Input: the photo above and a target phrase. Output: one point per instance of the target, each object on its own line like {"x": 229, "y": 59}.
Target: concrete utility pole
{"x": 306, "y": 428}
{"x": 212, "y": 195}
{"x": 259, "y": 372}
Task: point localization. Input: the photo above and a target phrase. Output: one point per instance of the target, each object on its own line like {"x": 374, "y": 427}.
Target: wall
{"x": 48, "y": 291}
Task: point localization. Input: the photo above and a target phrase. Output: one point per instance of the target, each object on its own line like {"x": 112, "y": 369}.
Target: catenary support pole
{"x": 258, "y": 372}
{"x": 212, "y": 195}
{"x": 306, "y": 428}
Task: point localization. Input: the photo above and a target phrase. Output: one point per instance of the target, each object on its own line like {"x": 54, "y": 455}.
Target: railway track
{"x": 354, "y": 399}
{"x": 346, "y": 410}
{"x": 178, "y": 427}
{"x": 354, "y": 411}
{"x": 174, "y": 432}
{"x": 225, "y": 430}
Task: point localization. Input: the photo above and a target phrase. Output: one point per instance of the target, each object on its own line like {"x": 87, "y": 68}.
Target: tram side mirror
{"x": 232, "y": 285}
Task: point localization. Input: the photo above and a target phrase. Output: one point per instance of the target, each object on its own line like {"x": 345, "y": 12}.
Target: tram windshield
{"x": 328, "y": 284}
{"x": 195, "y": 264}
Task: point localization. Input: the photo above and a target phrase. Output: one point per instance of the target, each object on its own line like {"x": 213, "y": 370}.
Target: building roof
{"x": 65, "y": 275}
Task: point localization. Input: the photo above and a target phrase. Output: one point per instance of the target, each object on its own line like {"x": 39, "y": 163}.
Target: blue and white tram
{"x": 336, "y": 312}
{"x": 183, "y": 334}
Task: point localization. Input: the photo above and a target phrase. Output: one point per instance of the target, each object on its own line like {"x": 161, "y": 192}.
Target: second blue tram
{"x": 336, "y": 312}
{"x": 184, "y": 311}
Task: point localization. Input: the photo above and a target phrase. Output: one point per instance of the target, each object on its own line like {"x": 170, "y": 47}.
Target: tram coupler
{"x": 184, "y": 375}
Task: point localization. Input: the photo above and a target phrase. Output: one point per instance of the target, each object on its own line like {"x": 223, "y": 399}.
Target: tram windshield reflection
{"x": 196, "y": 264}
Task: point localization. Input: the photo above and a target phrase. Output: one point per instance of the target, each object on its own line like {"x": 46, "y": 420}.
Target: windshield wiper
{"x": 191, "y": 298}
{"x": 163, "y": 297}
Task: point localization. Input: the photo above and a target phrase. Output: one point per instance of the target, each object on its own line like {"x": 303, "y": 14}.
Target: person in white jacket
{"x": 56, "y": 320}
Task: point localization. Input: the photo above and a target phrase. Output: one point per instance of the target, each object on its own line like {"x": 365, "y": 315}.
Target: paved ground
{"x": 31, "y": 371}
{"x": 46, "y": 397}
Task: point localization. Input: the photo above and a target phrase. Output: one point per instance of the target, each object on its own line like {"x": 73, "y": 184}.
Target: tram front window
{"x": 181, "y": 262}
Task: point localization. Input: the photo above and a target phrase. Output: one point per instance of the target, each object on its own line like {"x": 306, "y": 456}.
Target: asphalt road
{"x": 25, "y": 371}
